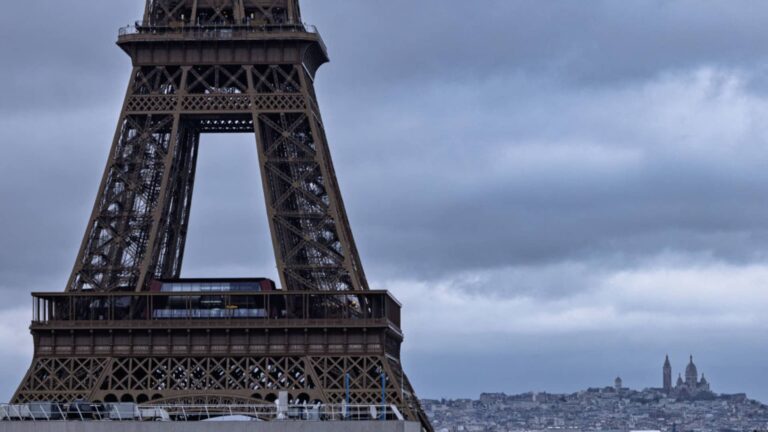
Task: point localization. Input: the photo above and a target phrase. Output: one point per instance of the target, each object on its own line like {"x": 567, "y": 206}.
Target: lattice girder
{"x": 176, "y": 13}
{"x": 116, "y": 241}
{"x": 139, "y": 223}
{"x": 251, "y": 379}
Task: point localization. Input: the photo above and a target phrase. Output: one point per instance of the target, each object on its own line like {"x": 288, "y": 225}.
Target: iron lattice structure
{"x": 217, "y": 66}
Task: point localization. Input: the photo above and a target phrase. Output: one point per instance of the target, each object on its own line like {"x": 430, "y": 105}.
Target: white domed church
{"x": 692, "y": 386}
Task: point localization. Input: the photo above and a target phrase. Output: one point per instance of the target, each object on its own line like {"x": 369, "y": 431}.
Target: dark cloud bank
{"x": 577, "y": 162}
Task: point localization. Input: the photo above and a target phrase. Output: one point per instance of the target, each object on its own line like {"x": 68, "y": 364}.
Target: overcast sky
{"x": 559, "y": 192}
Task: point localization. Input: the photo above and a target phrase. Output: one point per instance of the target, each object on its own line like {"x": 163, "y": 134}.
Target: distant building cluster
{"x": 689, "y": 405}
{"x": 691, "y": 387}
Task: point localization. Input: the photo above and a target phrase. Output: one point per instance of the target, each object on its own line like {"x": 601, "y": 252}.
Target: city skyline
{"x": 593, "y": 196}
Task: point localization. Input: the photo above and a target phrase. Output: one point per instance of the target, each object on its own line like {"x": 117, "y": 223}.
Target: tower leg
{"x": 138, "y": 225}
{"x": 314, "y": 247}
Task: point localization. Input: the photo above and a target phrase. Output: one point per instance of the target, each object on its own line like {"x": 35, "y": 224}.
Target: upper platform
{"x": 142, "y": 32}
{"x": 180, "y": 31}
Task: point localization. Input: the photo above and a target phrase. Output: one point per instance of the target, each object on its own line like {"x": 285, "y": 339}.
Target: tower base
{"x": 160, "y": 348}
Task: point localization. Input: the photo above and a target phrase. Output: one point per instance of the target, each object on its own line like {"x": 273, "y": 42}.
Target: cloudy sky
{"x": 559, "y": 192}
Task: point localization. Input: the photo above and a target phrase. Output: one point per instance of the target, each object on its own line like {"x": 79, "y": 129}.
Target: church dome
{"x": 691, "y": 373}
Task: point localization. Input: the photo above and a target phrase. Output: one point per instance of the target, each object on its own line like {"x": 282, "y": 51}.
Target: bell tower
{"x": 128, "y": 328}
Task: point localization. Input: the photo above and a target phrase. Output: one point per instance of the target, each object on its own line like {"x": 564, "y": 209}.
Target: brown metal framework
{"x": 217, "y": 66}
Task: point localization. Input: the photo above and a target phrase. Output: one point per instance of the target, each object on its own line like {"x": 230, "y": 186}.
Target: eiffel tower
{"x": 128, "y": 328}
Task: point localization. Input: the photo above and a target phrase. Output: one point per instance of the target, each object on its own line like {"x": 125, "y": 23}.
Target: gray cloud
{"x": 601, "y": 178}
{"x": 59, "y": 57}
{"x": 603, "y": 43}
{"x": 524, "y": 150}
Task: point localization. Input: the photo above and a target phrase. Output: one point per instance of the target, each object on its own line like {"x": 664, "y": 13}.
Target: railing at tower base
{"x": 82, "y": 411}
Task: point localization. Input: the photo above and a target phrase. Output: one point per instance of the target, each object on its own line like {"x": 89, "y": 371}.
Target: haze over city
{"x": 559, "y": 193}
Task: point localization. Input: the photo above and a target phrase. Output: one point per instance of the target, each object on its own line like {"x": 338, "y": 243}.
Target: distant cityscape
{"x": 689, "y": 405}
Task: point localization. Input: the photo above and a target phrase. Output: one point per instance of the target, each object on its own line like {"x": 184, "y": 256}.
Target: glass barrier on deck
{"x": 215, "y": 305}
{"x": 245, "y": 27}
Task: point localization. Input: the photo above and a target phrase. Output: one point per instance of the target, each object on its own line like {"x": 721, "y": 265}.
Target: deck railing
{"x": 264, "y": 305}
{"x": 83, "y": 411}
{"x": 215, "y": 32}
{"x": 142, "y": 28}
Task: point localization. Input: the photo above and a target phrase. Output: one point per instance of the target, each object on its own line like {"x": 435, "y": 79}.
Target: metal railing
{"x": 92, "y": 307}
{"x": 81, "y": 411}
{"x": 215, "y": 31}
{"x": 210, "y": 30}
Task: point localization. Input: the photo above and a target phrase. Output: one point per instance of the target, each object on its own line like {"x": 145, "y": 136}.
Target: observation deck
{"x": 187, "y": 309}
{"x": 217, "y": 317}
{"x": 238, "y": 35}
